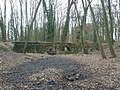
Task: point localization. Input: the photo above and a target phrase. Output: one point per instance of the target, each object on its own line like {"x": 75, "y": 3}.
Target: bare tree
{"x": 4, "y": 20}
{"x": 80, "y": 26}
{"x": 1, "y": 23}
{"x": 11, "y": 22}
{"x": 21, "y": 20}
{"x": 111, "y": 20}
{"x": 26, "y": 20}
{"x": 16, "y": 25}
{"x": 83, "y": 25}
{"x": 31, "y": 26}
{"x": 97, "y": 33}
{"x": 107, "y": 30}
{"x": 65, "y": 31}
{"x": 83, "y": 21}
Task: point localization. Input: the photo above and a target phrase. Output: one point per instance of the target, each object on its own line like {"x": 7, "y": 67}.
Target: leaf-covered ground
{"x": 59, "y": 72}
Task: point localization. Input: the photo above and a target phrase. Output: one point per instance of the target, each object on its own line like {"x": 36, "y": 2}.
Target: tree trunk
{"x": 81, "y": 32}
{"x": 2, "y": 27}
{"x": 65, "y": 30}
{"x": 83, "y": 24}
{"x": 26, "y": 20}
{"x": 21, "y": 26}
{"x": 107, "y": 31}
{"x": 111, "y": 20}
{"x": 31, "y": 26}
{"x": 4, "y": 23}
{"x": 97, "y": 33}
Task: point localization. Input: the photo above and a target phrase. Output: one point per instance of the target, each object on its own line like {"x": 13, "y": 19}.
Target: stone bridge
{"x": 42, "y": 47}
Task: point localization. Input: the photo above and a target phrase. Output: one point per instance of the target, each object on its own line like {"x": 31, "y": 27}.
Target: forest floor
{"x": 59, "y": 72}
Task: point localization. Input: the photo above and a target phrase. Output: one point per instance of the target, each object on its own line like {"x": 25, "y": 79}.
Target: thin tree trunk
{"x": 83, "y": 26}
{"x": 29, "y": 28}
{"x": 2, "y": 27}
{"x": 65, "y": 30}
{"x": 8, "y": 33}
{"x": 21, "y": 26}
{"x": 111, "y": 20}
{"x": 81, "y": 32}
{"x": 26, "y": 21}
{"x": 4, "y": 24}
{"x": 107, "y": 31}
{"x": 97, "y": 33}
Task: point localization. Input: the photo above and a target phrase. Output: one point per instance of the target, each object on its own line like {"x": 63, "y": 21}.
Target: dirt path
{"x": 58, "y": 72}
